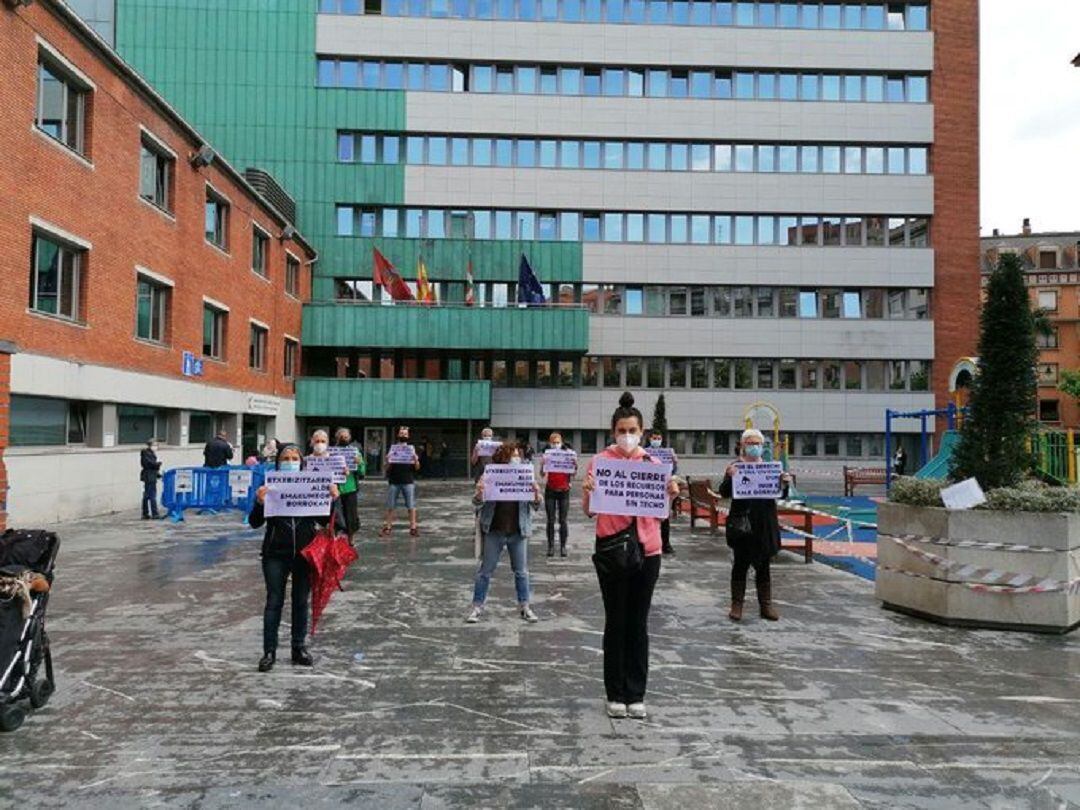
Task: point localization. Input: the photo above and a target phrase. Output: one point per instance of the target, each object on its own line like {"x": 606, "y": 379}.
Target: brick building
{"x": 1052, "y": 264}
{"x": 149, "y": 290}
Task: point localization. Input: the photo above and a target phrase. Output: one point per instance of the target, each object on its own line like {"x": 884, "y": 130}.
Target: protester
{"x": 509, "y": 524}
{"x": 283, "y": 540}
{"x": 217, "y": 452}
{"x": 149, "y": 474}
{"x": 401, "y": 485}
{"x": 627, "y": 595}
{"x": 269, "y": 451}
{"x": 349, "y": 490}
{"x": 251, "y": 461}
{"x": 477, "y": 460}
{"x": 557, "y": 500}
{"x": 753, "y": 532}
{"x": 656, "y": 441}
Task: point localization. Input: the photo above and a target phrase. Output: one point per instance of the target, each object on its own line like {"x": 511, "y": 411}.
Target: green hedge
{"x": 1027, "y": 496}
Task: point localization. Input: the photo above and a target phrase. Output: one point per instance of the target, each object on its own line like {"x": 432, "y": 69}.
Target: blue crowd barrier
{"x": 210, "y": 491}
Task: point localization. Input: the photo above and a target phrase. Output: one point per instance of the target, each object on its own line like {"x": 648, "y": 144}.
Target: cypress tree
{"x": 994, "y": 442}
{"x": 659, "y": 419}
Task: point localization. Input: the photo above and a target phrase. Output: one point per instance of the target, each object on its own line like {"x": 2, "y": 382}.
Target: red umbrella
{"x": 329, "y": 554}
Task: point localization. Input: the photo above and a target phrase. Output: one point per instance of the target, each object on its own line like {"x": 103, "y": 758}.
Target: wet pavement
{"x": 156, "y": 633}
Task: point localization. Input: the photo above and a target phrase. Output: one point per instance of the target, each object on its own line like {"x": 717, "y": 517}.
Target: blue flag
{"x": 529, "y": 289}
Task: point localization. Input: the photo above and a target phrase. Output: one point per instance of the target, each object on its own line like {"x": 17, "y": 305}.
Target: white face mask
{"x": 556, "y": 445}
{"x": 517, "y": 460}
{"x": 628, "y": 441}
{"x": 656, "y": 442}
{"x": 319, "y": 447}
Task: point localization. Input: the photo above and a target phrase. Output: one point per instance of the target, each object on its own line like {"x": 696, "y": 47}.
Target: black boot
{"x": 562, "y": 549}
{"x": 266, "y": 663}
{"x": 551, "y": 548}
{"x": 301, "y": 657}
{"x": 667, "y": 549}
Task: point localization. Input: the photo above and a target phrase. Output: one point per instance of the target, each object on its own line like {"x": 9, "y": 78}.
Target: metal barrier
{"x": 210, "y": 489}
{"x": 1055, "y": 455}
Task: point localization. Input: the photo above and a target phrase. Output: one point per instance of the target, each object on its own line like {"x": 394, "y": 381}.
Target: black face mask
{"x": 402, "y": 437}
{"x": 342, "y": 442}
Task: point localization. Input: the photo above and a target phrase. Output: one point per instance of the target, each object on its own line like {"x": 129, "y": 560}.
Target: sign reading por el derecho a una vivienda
{"x": 296, "y": 494}
{"x": 336, "y": 465}
{"x": 761, "y": 480}
{"x": 633, "y": 488}
{"x": 401, "y": 454}
{"x": 560, "y": 461}
{"x": 349, "y": 453}
{"x": 509, "y": 482}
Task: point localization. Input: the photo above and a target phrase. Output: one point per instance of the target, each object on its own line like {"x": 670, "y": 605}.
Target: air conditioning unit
{"x": 204, "y": 157}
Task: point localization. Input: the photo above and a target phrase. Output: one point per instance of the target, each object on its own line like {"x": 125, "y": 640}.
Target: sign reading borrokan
{"x": 560, "y": 461}
{"x": 635, "y": 488}
{"x": 760, "y": 480}
{"x": 509, "y": 482}
{"x": 401, "y": 454}
{"x": 295, "y": 494}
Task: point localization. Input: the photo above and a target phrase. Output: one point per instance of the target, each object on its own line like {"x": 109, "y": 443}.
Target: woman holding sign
{"x": 627, "y": 558}
{"x": 505, "y": 520}
{"x": 283, "y": 541}
{"x": 557, "y": 471}
{"x": 753, "y": 529}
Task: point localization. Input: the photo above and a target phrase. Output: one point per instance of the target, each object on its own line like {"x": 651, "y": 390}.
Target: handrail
{"x": 448, "y": 305}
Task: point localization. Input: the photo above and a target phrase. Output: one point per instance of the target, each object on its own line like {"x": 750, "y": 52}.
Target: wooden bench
{"x": 804, "y": 521}
{"x": 702, "y": 505}
{"x": 858, "y": 476}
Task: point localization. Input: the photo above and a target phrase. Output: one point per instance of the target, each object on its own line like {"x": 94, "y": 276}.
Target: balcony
{"x": 393, "y": 399}
{"x": 562, "y": 329}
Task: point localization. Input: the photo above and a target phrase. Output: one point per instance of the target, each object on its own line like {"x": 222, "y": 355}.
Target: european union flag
{"x": 529, "y": 289}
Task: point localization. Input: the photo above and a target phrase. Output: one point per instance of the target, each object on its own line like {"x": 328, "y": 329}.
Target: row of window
{"x": 551, "y": 153}
{"x": 655, "y": 228}
{"x": 869, "y": 16}
{"x": 56, "y": 288}
{"x": 681, "y": 300}
{"x": 580, "y": 80}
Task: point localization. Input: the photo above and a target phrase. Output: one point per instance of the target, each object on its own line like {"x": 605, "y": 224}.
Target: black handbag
{"x": 619, "y": 554}
{"x": 738, "y": 527}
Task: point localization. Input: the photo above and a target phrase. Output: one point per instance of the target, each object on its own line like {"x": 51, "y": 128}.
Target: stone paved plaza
{"x": 156, "y": 633}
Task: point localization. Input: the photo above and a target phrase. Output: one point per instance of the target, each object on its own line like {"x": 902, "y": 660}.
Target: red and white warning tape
{"x": 1043, "y": 586}
{"x": 944, "y": 541}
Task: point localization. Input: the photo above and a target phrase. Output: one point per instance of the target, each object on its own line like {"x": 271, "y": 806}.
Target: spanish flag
{"x": 425, "y": 293}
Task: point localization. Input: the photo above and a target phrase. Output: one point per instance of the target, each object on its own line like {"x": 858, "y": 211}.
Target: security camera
{"x": 287, "y": 233}
{"x": 204, "y": 157}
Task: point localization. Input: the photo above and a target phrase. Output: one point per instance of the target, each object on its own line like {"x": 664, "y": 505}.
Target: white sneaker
{"x": 474, "y": 615}
{"x": 636, "y": 711}
{"x": 616, "y": 710}
{"x": 528, "y": 615}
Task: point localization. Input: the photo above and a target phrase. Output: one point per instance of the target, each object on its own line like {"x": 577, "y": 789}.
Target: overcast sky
{"x": 1030, "y": 115}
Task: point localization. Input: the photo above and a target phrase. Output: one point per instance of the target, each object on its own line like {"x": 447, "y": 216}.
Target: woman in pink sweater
{"x": 627, "y": 595}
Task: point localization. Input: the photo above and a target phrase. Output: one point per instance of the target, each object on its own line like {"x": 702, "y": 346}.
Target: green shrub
{"x": 1027, "y": 496}
{"x": 917, "y": 491}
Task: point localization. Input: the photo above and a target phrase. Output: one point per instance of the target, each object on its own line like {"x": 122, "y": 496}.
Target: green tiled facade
{"x": 393, "y": 399}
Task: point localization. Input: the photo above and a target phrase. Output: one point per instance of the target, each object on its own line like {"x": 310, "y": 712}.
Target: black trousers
{"x": 350, "y": 506}
{"x": 742, "y": 563}
{"x": 149, "y": 499}
{"x": 626, "y": 631}
{"x": 276, "y": 573}
{"x": 557, "y": 502}
{"x": 665, "y": 532}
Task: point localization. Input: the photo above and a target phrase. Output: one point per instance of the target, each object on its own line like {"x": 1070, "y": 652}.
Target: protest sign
{"x": 295, "y": 494}
{"x": 401, "y": 454}
{"x": 335, "y": 465}
{"x": 965, "y": 495}
{"x": 508, "y": 482}
{"x": 184, "y": 481}
{"x": 350, "y": 454}
{"x": 757, "y": 480}
{"x": 665, "y": 455}
{"x": 560, "y": 461}
{"x": 485, "y": 448}
{"x": 239, "y": 483}
{"x": 635, "y": 488}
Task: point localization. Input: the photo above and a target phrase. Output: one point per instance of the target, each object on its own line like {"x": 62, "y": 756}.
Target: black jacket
{"x": 217, "y": 452}
{"x": 151, "y": 467}
{"x": 285, "y": 537}
{"x": 764, "y": 539}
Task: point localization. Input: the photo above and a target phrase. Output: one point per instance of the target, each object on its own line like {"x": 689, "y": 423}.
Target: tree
{"x": 995, "y": 439}
{"x": 659, "y": 418}
{"x": 1070, "y": 383}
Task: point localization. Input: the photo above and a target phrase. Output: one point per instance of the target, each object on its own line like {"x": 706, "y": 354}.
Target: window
{"x": 1049, "y": 340}
{"x": 292, "y": 351}
{"x": 61, "y": 105}
{"x": 260, "y": 250}
{"x": 1048, "y": 374}
{"x": 217, "y": 219}
{"x": 257, "y": 347}
{"x": 292, "y": 276}
{"x": 39, "y": 421}
{"x": 1048, "y": 259}
{"x": 155, "y": 174}
{"x": 213, "y": 332}
{"x": 1049, "y": 410}
{"x": 151, "y": 309}
{"x": 55, "y": 277}
{"x": 137, "y": 424}
{"x": 1048, "y": 300}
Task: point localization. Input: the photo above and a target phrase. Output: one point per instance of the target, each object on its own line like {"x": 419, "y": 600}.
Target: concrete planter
{"x": 940, "y": 589}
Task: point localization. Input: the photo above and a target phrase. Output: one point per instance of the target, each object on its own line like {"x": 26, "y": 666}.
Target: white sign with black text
{"x": 757, "y": 481}
{"x": 298, "y": 494}
{"x": 335, "y": 465}
{"x": 560, "y": 461}
{"x": 636, "y": 488}
{"x": 509, "y": 482}
{"x": 401, "y": 454}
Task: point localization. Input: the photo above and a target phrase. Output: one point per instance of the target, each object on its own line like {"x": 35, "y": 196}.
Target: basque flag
{"x": 529, "y": 289}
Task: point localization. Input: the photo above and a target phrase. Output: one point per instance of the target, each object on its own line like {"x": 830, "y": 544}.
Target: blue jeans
{"x": 396, "y": 492}
{"x": 493, "y": 546}
{"x": 276, "y": 573}
{"x": 149, "y": 499}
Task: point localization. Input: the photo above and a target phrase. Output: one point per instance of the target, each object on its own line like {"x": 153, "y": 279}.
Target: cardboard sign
{"x": 184, "y": 481}
{"x": 401, "y": 454}
{"x": 509, "y": 482}
{"x": 296, "y": 494}
{"x": 350, "y": 454}
{"x": 965, "y": 495}
{"x": 665, "y": 455}
{"x": 635, "y": 488}
{"x": 335, "y": 465}
{"x": 560, "y": 461}
{"x": 485, "y": 448}
{"x": 239, "y": 483}
{"x": 757, "y": 480}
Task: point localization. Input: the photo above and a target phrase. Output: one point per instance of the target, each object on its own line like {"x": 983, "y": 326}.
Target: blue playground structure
{"x": 938, "y": 465}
